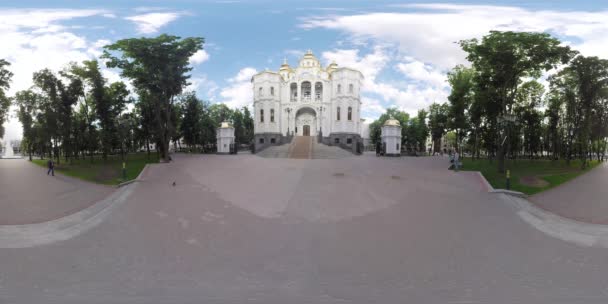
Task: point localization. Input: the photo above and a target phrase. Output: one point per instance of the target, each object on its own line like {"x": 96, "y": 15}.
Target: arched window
{"x": 261, "y": 91}
{"x": 318, "y": 91}
{"x": 294, "y": 91}
{"x": 339, "y": 88}
{"x": 271, "y": 115}
{"x": 350, "y": 88}
{"x": 338, "y": 111}
{"x": 350, "y": 113}
{"x": 306, "y": 90}
{"x": 271, "y": 91}
{"x": 261, "y": 115}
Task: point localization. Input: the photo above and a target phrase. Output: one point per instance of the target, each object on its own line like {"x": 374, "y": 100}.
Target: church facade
{"x": 307, "y": 100}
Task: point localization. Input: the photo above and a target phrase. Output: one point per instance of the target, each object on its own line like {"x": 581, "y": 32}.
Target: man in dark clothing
{"x": 51, "y": 165}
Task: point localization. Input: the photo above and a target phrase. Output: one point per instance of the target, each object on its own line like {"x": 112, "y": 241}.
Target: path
{"x": 28, "y": 195}
{"x": 302, "y": 147}
{"x": 584, "y": 198}
{"x": 244, "y": 229}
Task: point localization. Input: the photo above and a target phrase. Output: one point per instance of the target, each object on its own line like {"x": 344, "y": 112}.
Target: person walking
{"x": 51, "y": 165}
{"x": 456, "y": 160}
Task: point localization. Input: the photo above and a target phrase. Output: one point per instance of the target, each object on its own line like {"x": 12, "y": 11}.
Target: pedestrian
{"x": 456, "y": 160}
{"x": 51, "y": 165}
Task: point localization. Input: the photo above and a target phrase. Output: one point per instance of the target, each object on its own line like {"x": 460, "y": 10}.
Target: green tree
{"x": 5, "y": 102}
{"x": 438, "y": 122}
{"x": 49, "y": 119}
{"x": 160, "y": 67}
{"x": 591, "y": 76}
{"x": 27, "y": 102}
{"x": 247, "y": 126}
{"x": 461, "y": 96}
{"x": 502, "y": 59}
{"x": 191, "y": 126}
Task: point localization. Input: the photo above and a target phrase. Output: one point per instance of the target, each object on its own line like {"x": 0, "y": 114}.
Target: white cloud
{"x": 203, "y": 86}
{"x": 425, "y": 85}
{"x": 38, "y": 19}
{"x": 423, "y": 73}
{"x": 371, "y": 107}
{"x": 152, "y": 22}
{"x": 429, "y": 35}
{"x": 239, "y": 92}
{"x": 426, "y": 38}
{"x": 35, "y": 39}
{"x": 199, "y": 57}
{"x": 145, "y": 9}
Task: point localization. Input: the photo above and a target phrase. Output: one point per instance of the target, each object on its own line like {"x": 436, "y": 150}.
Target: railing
{"x": 306, "y": 99}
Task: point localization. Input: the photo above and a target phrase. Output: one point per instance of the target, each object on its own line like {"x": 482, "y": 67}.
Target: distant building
{"x": 308, "y": 100}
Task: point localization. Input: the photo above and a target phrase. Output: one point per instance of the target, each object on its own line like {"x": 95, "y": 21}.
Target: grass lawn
{"x": 528, "y": 176}
{"x": 108, "y": 172}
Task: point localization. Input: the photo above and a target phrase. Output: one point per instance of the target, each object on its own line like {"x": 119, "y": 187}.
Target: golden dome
{"x": 332, "y": 67}
{"x": 309, "y": 54}
{"x": 225, "y": 125}
{"x": 285, "y": 65}
{"x": 392, "y": 122}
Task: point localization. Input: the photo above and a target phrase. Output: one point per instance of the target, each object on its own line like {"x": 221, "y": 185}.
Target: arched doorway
{"x": 306, "y": 130}
{"x": 306, "y": 122}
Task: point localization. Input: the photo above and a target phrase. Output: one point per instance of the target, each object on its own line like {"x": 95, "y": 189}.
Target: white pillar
{"x": 225, "y": 137}
{"x": 391, "y": 137}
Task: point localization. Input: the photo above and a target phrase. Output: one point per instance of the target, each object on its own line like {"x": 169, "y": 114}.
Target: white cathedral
{"x": 307, "y": 100}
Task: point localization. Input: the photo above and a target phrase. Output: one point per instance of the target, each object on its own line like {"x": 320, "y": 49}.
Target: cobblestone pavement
{"x": 244, "y": 229}
{"x": 28, "y": 195}
{"x": 584, "y": 198}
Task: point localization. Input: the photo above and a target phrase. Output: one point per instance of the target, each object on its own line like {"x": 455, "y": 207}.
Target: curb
{"x": 65, "y": 228}
{"x": 499, "y": 191}
{"x": 572, "y": 231}
{"x": 551, "y": 224}
{"x": 136, "y": 180}
{"x": 509, "y": 192}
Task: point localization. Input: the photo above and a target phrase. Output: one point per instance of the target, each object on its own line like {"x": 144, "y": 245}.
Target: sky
{"x": 403, "y": 48}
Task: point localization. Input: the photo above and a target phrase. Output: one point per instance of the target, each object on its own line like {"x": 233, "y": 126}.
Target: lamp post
{"x": 506, "y": 120}
{"x": 320, "y": 109}
{"x": 288, "y": 110}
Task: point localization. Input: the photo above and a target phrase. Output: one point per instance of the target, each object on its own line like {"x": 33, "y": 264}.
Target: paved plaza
{"x": 246, "y": 229}
{"x": 584, "y": 198}
{"x": 28, "y": 195}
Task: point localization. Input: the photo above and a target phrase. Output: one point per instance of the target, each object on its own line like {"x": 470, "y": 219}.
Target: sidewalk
{"x": 584, "y": 198}
{"x": 28, "y": 195}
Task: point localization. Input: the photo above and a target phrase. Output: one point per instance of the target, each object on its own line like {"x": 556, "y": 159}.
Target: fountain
{"x": 8, "y": 150}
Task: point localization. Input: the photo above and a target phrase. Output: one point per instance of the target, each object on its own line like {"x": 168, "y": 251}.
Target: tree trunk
{"x": 148, "y": 147}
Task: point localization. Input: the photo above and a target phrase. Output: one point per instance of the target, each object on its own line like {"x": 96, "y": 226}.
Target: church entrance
{"x": 306, "y": 122}
{"x": 306, "y": 130}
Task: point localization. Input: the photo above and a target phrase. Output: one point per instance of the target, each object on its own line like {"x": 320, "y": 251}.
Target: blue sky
{"x": 403, "y": 48}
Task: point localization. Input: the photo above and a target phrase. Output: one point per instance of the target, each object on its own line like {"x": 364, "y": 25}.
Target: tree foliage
{"x": 159, "y": 67}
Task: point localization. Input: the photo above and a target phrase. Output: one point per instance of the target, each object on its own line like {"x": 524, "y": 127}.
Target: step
{"x": 302, "y": 147}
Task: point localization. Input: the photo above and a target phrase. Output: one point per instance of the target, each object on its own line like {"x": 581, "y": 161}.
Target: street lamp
{"x": 321, "y": 109}
{"x": 288, "y": 110}
{"x": 506, "y": 120}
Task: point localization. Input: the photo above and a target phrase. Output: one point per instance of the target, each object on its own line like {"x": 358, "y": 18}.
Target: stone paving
{"x": 245, "y": 229}
{"x": 584, "y": 198}
{"x": 28, "y": 195}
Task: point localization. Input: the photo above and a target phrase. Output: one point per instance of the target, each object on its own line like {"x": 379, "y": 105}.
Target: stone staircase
{"x": 301, "y": 147}
{"x": 321, "y": 151}
{"x": 281, "y": 151}
{"x": 304, "y": 147}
